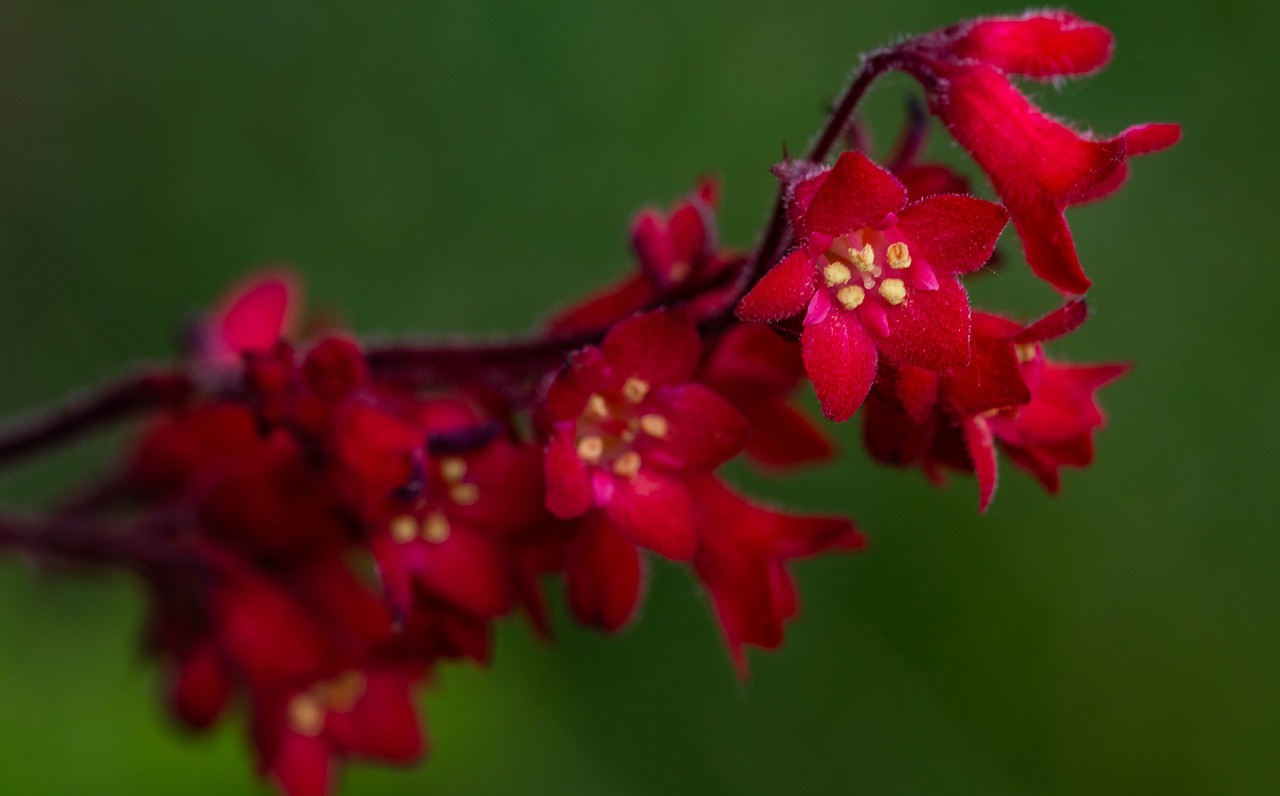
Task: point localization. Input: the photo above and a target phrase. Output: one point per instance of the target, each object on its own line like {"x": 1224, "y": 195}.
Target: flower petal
{"x": 930, "y": 329}
{"x": 953, "y": 233}
{"x": 1039, "y": 44}
{"x": 569, "y": 492}
{"x": 660, "y": 347}
{"x": 383, "y": 723}
{"x": 982, "y": 452}
{"x": 604, "y": 575}
{"x": 855, "y": 194}
{"x": 703, "y": 429}
{"x": 653, "y": 510}
{"x": 840, "y": 359}
{"x": 784, "y": 291}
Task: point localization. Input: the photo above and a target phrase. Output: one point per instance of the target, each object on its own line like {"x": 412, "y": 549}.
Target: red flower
{"x": 1042, "y": 414}
{"x": 742, "y": 562}
{"x": 305, "y": 646}
{"x": 1038, "y": 165}
{"x": 627, "y": 424}
{"x": 874, "y": 275}
{"x": 676, "y": 252}
{"x": 756, "y": 370}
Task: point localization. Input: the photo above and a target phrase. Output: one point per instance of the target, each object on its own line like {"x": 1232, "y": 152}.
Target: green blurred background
{"x": 457, "y": 166}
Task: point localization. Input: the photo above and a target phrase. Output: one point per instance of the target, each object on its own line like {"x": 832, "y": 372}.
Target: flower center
{"x": 434, "y": 528}
{"x": 611, "y": 424}
{"x": 864, "y": 264}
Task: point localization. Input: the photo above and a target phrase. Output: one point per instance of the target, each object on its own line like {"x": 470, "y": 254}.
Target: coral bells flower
{"x": 1038, "y": 165}
{"x": 677, "y": 254}
{"x": 874, "y": 275}
{"x": 742, "y": 562}
{"x": 627, "y": 425}
{"x": 1041, "y": 413}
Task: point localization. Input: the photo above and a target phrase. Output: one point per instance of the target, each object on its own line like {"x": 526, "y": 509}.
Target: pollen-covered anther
{"x": 1025, "y": 351}
{"x": 452, "y": 469}
{"x": 627, "y": 465}
{"x": 654, "y": 425}
{"x": 865, "y": 259}
{"x": 305, "y": 715}
{"x": 836, "y": 274}
{"x": 679, "y": 272}
{"x": 464, "y": 494}
{"x": 436, "y": 528}
{"x": 597, "y": 407}
{"x": 590, "y": 449}
{"x": 342, "y": 692}
{"x": 899, "y": 255}
{"x": 850, "y": 296}
{"x": 404, "y": 528}
{"x": 634, "y": 390}
{"x": 893, "y": 291}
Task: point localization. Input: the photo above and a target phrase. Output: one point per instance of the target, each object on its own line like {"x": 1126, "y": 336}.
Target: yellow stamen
{"x": 893, "y": 291}
{"x": 404, "y": 529}
{"x": 306, "y": 716}
{"x": 850, "y": 297}
{"x": 679, "y": 272}
{"x": 865, "y": 259}
{"x": 452, "y": 469}
{"x": 464, "y": 494}
{"x": 342, "y": 692}
{"x": 634, "y": 390}
{"x": 627, "y": 465}
{"x": 899, "y": 255}
{"x": 836, "y": 274}
{"x": 654, "y": 425}
{"x": 590, "y": 449}
{"x": 436, "y": 528}
{"x": 1025, "y": 351}
{"x": 597, "y": 407}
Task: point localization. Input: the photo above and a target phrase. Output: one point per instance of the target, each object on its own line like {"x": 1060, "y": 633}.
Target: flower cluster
{"x": 322, "y": 522}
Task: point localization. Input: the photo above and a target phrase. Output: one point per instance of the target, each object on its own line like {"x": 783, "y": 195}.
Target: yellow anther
{"x": 436, "y": 528}
{"x": 452, "y": 469}
{"x": 597, "y": 407}
{"x": 654, "y": 425}
{"x": 404, "y": 529}
{"x": 679, "y": 272}
{"x": 634, "y": 390}
{"x": 627, "y": 465}
{"x": 836, "y": 274}
{"x": 893, "y": 291}
{"x": 590, "y": 449}
{"x": 850, "y": 297}
{"x": 899, "y": 255}
{"x": 464, "y": 494}
{"x": 1025, "y": 351}
{"x": 306, "y": 716}
{"x": 865, "y": 259}
{"x": 342, "y": 692}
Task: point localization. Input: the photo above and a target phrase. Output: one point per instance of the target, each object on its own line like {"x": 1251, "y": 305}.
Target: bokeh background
{"x": 457, "y": 165}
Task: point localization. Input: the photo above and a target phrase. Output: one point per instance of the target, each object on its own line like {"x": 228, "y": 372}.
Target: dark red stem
{"x": 118, "y": 400}
{"x": 147, "y": 544}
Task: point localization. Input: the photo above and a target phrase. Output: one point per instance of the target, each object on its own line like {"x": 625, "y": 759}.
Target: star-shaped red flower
{"x": 874, "y": 276}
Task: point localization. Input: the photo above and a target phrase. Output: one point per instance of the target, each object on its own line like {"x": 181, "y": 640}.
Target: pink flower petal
{"x": 653, "y": 510}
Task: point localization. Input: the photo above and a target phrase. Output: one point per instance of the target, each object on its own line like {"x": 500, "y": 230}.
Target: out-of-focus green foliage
{"x": 1121, "y": 639}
